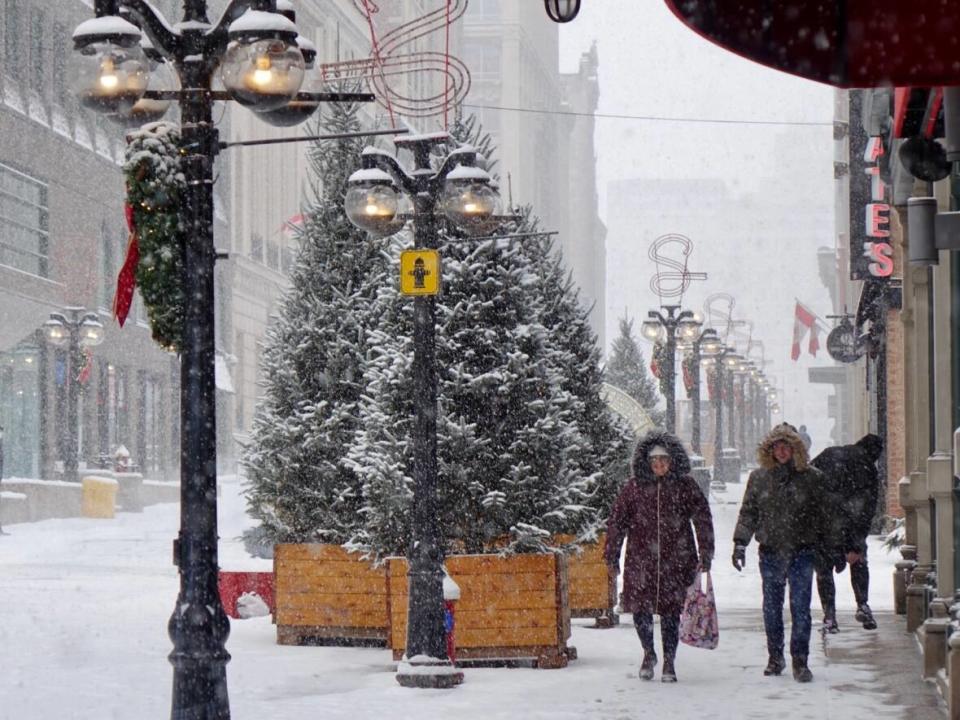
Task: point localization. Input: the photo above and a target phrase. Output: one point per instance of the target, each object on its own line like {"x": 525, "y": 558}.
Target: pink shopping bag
{"x": 698, "y": 621}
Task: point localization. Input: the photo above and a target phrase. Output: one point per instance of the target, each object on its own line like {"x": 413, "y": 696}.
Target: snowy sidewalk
{"x": 86, "y": 605}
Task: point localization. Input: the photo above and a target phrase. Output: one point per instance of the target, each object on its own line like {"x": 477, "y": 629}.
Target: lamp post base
{"x": 421, "y": 671}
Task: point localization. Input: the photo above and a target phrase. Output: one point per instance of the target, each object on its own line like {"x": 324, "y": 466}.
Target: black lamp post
{"x": 663, "y": 328}
{"x": 463, "y": 193}
{"x": 261, "y": 60}
{"x": 73, "y": 329}
{"x": 690, "y": 332}
{"x": 713, "y": 351}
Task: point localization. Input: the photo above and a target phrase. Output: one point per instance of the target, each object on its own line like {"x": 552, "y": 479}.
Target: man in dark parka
{"x": 784, "y": 507}
{"x": 656, "y": 512}
{"x": 853, "y": 486}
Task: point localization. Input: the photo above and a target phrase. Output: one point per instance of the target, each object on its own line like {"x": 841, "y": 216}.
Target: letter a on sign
{"x": 419, "y": 272}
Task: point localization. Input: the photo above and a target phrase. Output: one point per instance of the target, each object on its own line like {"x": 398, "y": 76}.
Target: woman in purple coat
{"x": 656, "y": 513}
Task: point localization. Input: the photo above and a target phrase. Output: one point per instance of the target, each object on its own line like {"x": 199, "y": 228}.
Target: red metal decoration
{"x": 843, "y": 43}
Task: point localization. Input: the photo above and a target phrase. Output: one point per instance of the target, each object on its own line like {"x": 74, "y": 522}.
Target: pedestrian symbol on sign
{"x": 419, "y": 272}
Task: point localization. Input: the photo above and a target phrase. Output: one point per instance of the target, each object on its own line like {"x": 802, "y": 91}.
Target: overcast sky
{"x": 651, "y": 65}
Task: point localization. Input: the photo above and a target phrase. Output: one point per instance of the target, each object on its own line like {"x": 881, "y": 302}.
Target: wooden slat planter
{"x": 512, "y": 610}
{"x": 592, "y": 595}
{"x": 327, "y": 596}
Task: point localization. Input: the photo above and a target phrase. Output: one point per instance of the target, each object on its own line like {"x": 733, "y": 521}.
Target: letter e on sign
{"x": 878, "y": 220}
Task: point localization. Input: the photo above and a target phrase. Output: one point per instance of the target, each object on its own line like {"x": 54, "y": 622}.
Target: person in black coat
{"x": 853, "y": 483}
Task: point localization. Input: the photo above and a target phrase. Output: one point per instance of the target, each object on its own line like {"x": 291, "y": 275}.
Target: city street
{"x": 86, "y": 603}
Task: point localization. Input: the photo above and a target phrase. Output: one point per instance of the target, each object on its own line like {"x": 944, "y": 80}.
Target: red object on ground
{"x": 234, "y": 584}
{"x": 848, "y": 44}
{"x": 450, "y": 626}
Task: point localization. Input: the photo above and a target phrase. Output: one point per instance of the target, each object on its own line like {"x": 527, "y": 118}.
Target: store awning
{"x": 222, "y": 374}
{"x": 845, "y": 44}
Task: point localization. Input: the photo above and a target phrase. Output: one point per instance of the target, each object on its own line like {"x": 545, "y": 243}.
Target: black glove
{"x": 705, "y": 563}
{"x": 739, "y": 556}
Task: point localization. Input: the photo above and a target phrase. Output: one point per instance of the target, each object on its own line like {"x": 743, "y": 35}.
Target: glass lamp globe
{"x": 110, "y": 73}
{"x": 56, "y": 332}
{"x": 297, "y": 110}
{"x": 148, "y": 110}
{"x": 262, "y": 68}
{"x": 372, "y": 204}
{"x": 651, "y": 330}
{"x": 689, "y": 329}
{"x": 91, "y": 331}
{"x": 468, "y": 201}
{"x": 562, "y": 11}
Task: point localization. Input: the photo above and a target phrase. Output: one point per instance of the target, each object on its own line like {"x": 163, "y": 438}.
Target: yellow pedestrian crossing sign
{"x": 419, "y": 272}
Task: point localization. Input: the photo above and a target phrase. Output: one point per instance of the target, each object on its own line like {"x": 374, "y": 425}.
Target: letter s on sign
{"x": 881, "y": 257}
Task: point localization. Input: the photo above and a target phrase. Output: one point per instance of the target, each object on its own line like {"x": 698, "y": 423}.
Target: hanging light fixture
{"x": 562, "y": 11}
{"x": 372, "y": 202}
{"x": 110, "y": 73}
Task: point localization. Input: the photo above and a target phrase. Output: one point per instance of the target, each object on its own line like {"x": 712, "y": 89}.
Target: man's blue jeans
{"x": 777, "y": 570}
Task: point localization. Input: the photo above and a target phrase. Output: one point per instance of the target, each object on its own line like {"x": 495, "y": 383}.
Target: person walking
{"x": 784, "y": 508}
{"x": 805, "y": 436}
{"x": 853, "y": 485}
{"x": 656, "y": 513}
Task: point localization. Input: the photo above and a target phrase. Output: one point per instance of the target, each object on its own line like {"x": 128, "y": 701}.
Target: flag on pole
{"x": 804, "y": 321}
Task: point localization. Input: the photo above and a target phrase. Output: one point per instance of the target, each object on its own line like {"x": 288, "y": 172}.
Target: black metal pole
{"x": 671, "y": 376}
{"x": 731, "y": 411}
{"x": 199, "y": 626}
{"x": 718, "y": 409}
{"x": 70, "y": 461}
{"x": 743, "y": 415}
{"x": 425, "y": 631}
{"x": 695, "y": 397}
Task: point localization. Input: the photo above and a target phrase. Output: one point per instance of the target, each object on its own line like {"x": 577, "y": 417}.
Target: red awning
{"x": 846, "y": 43}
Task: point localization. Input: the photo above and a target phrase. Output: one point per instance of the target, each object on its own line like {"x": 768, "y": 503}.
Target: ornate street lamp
{"x": 664, "y": 329}
{"x": 713, "y": 351}
{"x": 73, "y": 330}
{"x": 562, "y": 11}
{"x": 261, "y": 63}
{"x": 690, "y": 335}
{"x": 461, "y": 192}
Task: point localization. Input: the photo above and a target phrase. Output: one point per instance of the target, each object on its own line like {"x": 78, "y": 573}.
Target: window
{"x": 11, "y": 34}
{"x": 273, "y": 254}
{"x": 24, "y": 240}
{"x": 38, "y": 75}
{"x": 256, "y": 247}
{"x": 60, "y": 95}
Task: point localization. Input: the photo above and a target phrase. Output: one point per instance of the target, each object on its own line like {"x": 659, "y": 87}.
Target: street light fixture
{"x": 461, "y": 191}
{"x": 262, "y": 67}
{"x": 74, "y": 329}
{"x": 562, "y": 11}
{"x": 665, "y": 329}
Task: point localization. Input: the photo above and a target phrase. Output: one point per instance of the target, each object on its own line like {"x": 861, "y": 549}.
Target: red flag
{"x": 814, "y": 340}
{"x": 127, "y": 278}
{"x": 803, "y": 321}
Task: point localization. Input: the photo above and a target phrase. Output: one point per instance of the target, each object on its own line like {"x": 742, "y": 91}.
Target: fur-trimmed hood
{"x": 787, "y": 433}
{"x": 679, "y": 461}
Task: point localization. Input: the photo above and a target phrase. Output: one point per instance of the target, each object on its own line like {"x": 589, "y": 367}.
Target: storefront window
{"x": 20, "y": 411}
{"x": 24, "y": 238}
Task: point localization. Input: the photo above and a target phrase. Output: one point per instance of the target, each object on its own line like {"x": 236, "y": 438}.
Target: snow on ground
{"x": 86, "y": 604}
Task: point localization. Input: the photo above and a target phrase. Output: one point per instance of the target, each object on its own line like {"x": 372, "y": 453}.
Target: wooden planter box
{"x": 327, "y": 596}
{"x": 592, "y": 594}
{"x": 512, "y": 610}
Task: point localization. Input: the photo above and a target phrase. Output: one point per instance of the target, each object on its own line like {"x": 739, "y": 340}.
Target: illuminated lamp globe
{"x": 148, "y": 110}
{"x": 689, "y": 329}
{"x": 298, "y": 109}
{"x": 110, "y": 72}
{"x": 710, "y": 343}
{"x": 372, "y": 204}
{"x": 469, "y": 201}
{"x": 262, "y": 68}
{"x": 56, "y": 332}
{"x": 91, "y": 331}
{"x": 651, "y": 330}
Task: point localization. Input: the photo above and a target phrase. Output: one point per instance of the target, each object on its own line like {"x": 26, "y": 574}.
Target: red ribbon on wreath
{"x": 127, "y": 278}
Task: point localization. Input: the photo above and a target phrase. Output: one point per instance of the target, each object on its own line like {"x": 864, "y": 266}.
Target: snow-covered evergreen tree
{"x": 313, "y": 360}
{"x": 627, "y": 370}
{"x": 510, "y": 450}
{"x": 577, "y": 357}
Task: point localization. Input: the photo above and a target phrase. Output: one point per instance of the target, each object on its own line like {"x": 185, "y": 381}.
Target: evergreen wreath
{"x": 156, "y": 189}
